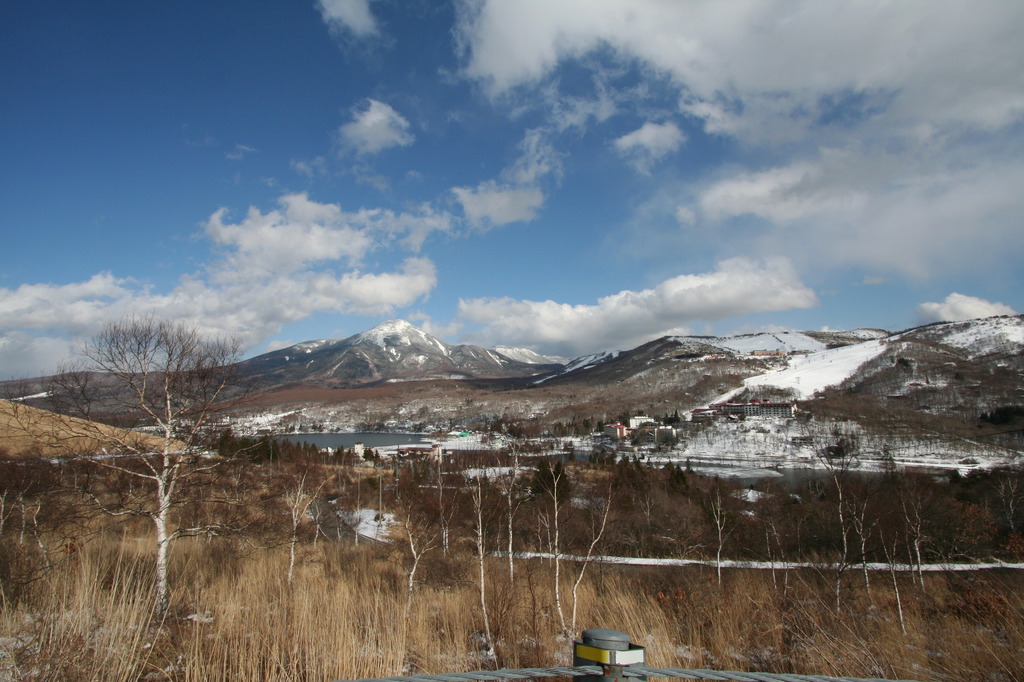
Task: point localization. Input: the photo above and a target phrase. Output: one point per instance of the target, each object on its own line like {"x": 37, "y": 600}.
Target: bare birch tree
{"x": 721, "y": 518}
{"x": 478, "y": 493}
{"x": 447, "y": 506}
{"x": 839, "y": 451}
{"x": 513, "y": 500}
{"x": 164, "y": 376}
{"x": 551, "y": 485}
{"x": 421, "y": 539}
{"x": 417, "y": 524}
{"x": 299, "y": 497}
{"x": 597, "y": 532}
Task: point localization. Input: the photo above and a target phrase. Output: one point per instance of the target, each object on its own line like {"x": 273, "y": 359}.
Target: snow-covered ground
{"x": 807, "y": 374}
{"x": 771, "y": 565}
{"x": 370, "y": 523}
{"x": 789, "y": 341}
{"x": 758, "y": 447}
{"x": 491, "y": 472}
{"x": 978, "y": 337}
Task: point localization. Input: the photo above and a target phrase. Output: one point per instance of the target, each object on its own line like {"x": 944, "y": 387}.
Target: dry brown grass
{"x": 236, "y": 617}
{"x": 28, "y": 432}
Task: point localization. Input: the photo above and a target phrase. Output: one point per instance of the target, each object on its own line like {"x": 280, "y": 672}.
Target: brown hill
{"x": 29, "y": 432}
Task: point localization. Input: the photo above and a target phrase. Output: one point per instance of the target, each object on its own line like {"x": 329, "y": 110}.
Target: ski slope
{"x": 807, "y": 374}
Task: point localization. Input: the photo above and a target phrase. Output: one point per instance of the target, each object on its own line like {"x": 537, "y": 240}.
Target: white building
{"x": 637, "y": 422}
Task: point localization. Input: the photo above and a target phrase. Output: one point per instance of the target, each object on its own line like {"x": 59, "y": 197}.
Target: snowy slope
{"x": 397, "y": 333}
{"x": 977, "y": 337}
{"x": 528, "y": 356}
{"x": 583, "y": 362}
{"x": 789, "y": 341}
{"x": 807, "y": 374}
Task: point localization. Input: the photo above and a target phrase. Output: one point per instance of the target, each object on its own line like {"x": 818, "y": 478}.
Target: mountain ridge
{"x": 398, "y": 351}
{"x": 933, "y": 379}
{"x": 392, "y": 351}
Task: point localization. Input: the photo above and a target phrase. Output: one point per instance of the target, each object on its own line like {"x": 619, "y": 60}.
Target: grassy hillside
{"x": 29, "y": 432}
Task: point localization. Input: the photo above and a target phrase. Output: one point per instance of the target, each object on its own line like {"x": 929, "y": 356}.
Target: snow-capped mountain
{"x": 948, "y": 373}
{"x": 970, "y": 359}
{"x": 392, "y": 351}
{"x": 969, "y": 362}
{"x": 974, "y": 361}
{"x": 618, "y": 364}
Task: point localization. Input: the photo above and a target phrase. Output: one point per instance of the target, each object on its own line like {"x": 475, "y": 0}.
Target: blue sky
{"x": 566, "y": 176}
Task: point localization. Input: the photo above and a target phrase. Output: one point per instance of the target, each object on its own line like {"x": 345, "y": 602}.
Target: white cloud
{"x": 885, "y": 212}
{"x": 375, "y": 294}
{"x": 275, "y": 268}
{"x": 490, "y": 205}
{"x": 286, "y": 240}
{"x": 311, "y": 168}
{"x": 74, "y": 306}
{"x": 239, "y": 152}
{"x": 734, "y": 61}
{"x": 650, "y": 143}
{"x": 305, "y": 232}
{"x": 959, "y": 307}
{"x": 517, "y": 197}
{"x": 685, "y": 216}
{"x": 777, "y": 194}
{"x": 577, "y": 112}
{"x": 28, "y": 356}
{"x": 891, "y": 145}
{"x": 537, "y": 160}
{"x": 353, "y": 15}
{"x": 738, "y": 286}
{"x": 375, "y": 128}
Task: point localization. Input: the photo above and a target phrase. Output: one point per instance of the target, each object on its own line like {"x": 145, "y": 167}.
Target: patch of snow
{"x": 735, "y": 472}
{"x": 310, "y": 346}
{"x": 774, "y": 565}
{"x": 204, "y": 617}
{"x": 370, "y": 523}
{"x": 392, "y": 333}
{"x": 749, "y": 495}
{"x": 34, "y": 396}
{"x": 490, "y": 472}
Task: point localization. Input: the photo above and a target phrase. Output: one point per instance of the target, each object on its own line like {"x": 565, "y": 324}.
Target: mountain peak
{"x": 394, "y": 326}
{"x": 399, "y": 333}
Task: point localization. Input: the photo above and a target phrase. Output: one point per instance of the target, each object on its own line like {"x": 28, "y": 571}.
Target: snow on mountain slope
{"x": 807, "y": 374}
{"x": 977, "y": 337}
{"x": 789, "y": 341}
{"x": 393, "y": 351}
{"x": 528, "y": 356}
{"x": 867, "y": 334}
{"x": 583, "y": 362}
{"x": 399, "y": 333}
